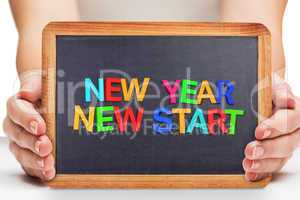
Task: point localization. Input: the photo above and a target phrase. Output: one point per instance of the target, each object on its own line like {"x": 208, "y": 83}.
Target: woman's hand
{"x": 277, "y": 137}
{"x": 26, "y": 129}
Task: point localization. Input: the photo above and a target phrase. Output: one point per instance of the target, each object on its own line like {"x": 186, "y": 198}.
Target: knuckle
{"x": 19, "y": 136}
{"x": 18, "y": 133}
{"x": 9, "y": 103}
{"x": 24, "y": 139}
{"x": 5, "y": 125}
{"x": 31, "y": 141}
{"x": 15, "y": 150}
{"x": 287, "y": 144}
{"x": 295, "y": 137}
{"x": 18, "y": 156}
{"x": 31, "y": 172}
{"x": 28, "y": 171}
{"x": 292, "y": 120}
{"x": 273, "y": 121}
{"x": 297, "y": 102}
{"x": 11, "y": 147}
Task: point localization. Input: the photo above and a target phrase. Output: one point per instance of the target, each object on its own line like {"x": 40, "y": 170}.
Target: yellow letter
{"x": 140, "y": 93}
{"x": 87, "y": 123}
{"x": 209, "y": 95}
{"x": 181, "y": 116}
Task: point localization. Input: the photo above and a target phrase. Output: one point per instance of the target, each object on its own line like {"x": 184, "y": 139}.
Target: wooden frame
{"x": 152, "y": 28}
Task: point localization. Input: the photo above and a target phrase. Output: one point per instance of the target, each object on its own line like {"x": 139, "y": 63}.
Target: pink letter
{"x": 171, "y": 90}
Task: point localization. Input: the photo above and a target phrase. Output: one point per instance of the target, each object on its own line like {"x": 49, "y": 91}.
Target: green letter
{"x": 185, "y": 91}
{"x": 101, "y": 119}
{"x": 233, "y": 114}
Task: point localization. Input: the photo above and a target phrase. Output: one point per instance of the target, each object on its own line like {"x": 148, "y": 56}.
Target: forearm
{"x": 30, "y": 17}
{"x": 266, "y": 12}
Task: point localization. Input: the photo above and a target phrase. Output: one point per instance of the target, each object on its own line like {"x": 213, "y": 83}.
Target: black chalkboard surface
{"x": 116, "y": 51}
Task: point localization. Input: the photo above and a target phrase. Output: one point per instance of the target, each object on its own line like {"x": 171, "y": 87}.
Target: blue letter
{"x": 157, "y": 126}
{"x": 89, "y": 85}
{"x": 202, "y": 125}
{"x": 221, "y": 84}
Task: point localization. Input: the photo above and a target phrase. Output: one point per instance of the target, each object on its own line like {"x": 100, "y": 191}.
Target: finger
{"x": 280, "y": 147}
{"x": 39, "y": 145}
{"x": 252, "y": 176}
{"x": 30, "y": 86}
{"x": 282, "y": 94}
{"x": 43, "y": 175}
{"x": 33, "y": 172}
{"x": 49, "y": 174}
{"x": 281, "y": 123}
{"x": 29, "y": 160}
{"x": 266, "y": 165}
{"x": 24, "y": 114}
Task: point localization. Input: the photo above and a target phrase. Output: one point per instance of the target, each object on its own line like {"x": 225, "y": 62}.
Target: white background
{"x": 8, "y": 45}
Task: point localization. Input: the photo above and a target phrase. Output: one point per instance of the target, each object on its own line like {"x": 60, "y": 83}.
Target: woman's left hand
{"x": 276, "y": 137}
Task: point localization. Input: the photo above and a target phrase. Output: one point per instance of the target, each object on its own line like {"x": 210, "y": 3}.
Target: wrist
{"x": 30, "y": 76}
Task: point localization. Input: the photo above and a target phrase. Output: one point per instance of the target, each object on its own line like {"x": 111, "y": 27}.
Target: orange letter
{"x": 209, "y": 95}
{"x": 181, "y": 116}
{"x": 134, "y": 84}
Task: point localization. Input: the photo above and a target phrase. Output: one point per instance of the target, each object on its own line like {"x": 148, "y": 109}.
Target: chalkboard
{"x": 187, "y": 52}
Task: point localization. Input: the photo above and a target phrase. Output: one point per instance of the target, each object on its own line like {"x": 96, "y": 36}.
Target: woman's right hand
{"x": 26, "y": 129}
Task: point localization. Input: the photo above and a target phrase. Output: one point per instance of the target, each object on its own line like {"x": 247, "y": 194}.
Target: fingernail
{"x": 267, "y": 133}
{"x": 258, "y": 152}
{"x": 34, "y": 127}
{"x": 40, "y": 163}
{"x": 48, "y": 174}
{"x": 253, "y": 176}
{"x": 255, "y": 165}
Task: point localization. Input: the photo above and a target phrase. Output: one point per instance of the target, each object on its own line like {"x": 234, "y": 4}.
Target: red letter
{"x": 109, "y": 89}
{"x": 220, "y": 121}
{"x": 135, "y": 121}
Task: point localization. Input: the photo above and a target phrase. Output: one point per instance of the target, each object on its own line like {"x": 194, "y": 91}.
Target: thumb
{"x": 282, "y": 95}
{"x": 30, "y": 89}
